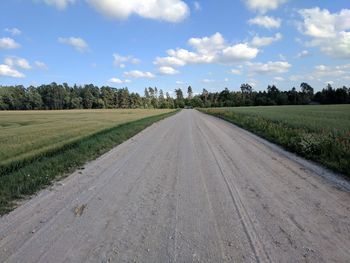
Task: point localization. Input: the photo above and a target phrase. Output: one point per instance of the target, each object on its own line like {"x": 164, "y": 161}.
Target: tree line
{"x": 272, "y": 96}
{"x": 57, "y": 97}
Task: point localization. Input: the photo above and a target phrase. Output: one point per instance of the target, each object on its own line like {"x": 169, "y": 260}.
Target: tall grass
{"x": 43, "y": 170}
{"x": 318, "y": 133}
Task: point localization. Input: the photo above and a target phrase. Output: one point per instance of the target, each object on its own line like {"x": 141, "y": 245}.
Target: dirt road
{"x": 191, "y": 188}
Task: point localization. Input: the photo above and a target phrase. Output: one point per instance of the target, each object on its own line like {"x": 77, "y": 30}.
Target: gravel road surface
{"x": 190, "y": 188}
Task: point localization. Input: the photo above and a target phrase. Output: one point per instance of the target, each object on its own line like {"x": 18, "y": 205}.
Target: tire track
{"x": 248, "y": 226}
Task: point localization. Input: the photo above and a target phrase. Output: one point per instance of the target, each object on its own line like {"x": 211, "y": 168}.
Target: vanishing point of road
{"x": 190, "y": 188}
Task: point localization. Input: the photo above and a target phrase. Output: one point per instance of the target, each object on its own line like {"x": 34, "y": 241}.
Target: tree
{"x": 147, "y": 100}
{"x": 308, "y": 92}
{"x": 87, "y": 98}
{"x": 179, "y": 101}
{"x": 189, "y": 93}
{"x": 247, "y": 91}
{"x": 107, "y": 96}
{"x": 307, "y": 89}
{"x": 204, "y": 98}
{"x": 124, "y": 101}
{"x": 33, "y": 99}
{"x": 169, "y": 101}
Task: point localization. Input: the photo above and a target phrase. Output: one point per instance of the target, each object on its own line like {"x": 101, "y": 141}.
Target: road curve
{"x": 191, "y": 188}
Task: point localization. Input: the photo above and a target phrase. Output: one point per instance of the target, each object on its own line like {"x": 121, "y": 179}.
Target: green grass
{"x": 40, "y": 171}
{"x": 27, "y": 135}
{"x": 317, "y": 132}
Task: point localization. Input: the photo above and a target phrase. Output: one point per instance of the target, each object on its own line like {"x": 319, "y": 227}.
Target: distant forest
{"x": 58, "y": 97}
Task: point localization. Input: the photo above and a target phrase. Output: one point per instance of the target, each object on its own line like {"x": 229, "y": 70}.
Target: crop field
{"x": 27, "y": 134}
{"x": 38, "y": 146}
{"x": 317, "y": 132}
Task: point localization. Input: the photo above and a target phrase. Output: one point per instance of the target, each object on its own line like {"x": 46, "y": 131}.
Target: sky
{"x": 175, "y": 43}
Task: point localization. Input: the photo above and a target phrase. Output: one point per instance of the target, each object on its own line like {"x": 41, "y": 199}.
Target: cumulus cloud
{"x": 79, "y": 44}
{"x": 329, "y": 31}
{"x": 265, "y": 41}
{"x": 7, "y": 71}
{"x": 8, "y": 43}
{"x": 118, "y": 81}
{"x": 139, "y": 74}
{"x": 266, "y": 21}
{"x": 166, "y": 70}
{"x": 13, "y": 31}
{"x": 166, "y": 10}
{"x": 263, "y": 6}
{"x": 17, "y": 62}
{"x": 60, "y": 4}
{"x": 270, "y": 67}
{"x": 207, "y": 50}
{"x": 208, "y": 45}
{"x": 239, "y": 52}
{"x": 121, "y": 61}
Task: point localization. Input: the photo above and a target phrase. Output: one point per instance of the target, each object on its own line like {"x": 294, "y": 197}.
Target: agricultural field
{"x": 318, "y": 132}
{"x": 38, "y": 146}
{"x": 27, "y": 134}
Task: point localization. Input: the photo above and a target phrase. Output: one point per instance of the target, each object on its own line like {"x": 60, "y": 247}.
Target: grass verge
{"x": 331, "y": 148}
{"x": 41, "y": 172}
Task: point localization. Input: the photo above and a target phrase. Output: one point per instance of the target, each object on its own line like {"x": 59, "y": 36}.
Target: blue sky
{"x": 175, "y": 43}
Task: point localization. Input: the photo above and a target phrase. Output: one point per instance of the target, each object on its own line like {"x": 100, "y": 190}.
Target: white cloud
{"x": 118, "y": 81}
{"x": 239, "y": 52}
{"x": 236, "y": 71}
{"x": 208, "y": 45}
{"x": 166, "y": 10}
{"x": 166, "y": 70}
{"x": 266, "y": 21}
{"x": 303, "y": 54}
{"x": 263, "y": 6}
{"x": 327, "y": 30}
{"x": 13, "y": 31}
{"x": 7, "y": 71}
{"x": 121, "y": 61}
{"x": 60, "y": 4}
{"x": 138, "y": 74}
{"x": 322, "y": 71}
{"x": 17, "y": 62}
{"x": 115, "y": 80}
{"x": 208, "y": 50}
{"x": 208, "y": 81}
{"x": 8, "y": 43}
{"x": 318, "y": 23}
{"x": 197, "y": 6}
{"x": 279, "y": 79}
{"x": 189, "y": 57}
{"x": 269, "y": 67}
{"x": 40, "y": 65}
{"x": 78, "y": 43}
{"x": 265, "y": 41}
{"x": 178, "y": 82}
{"x": 169, "y": 61}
